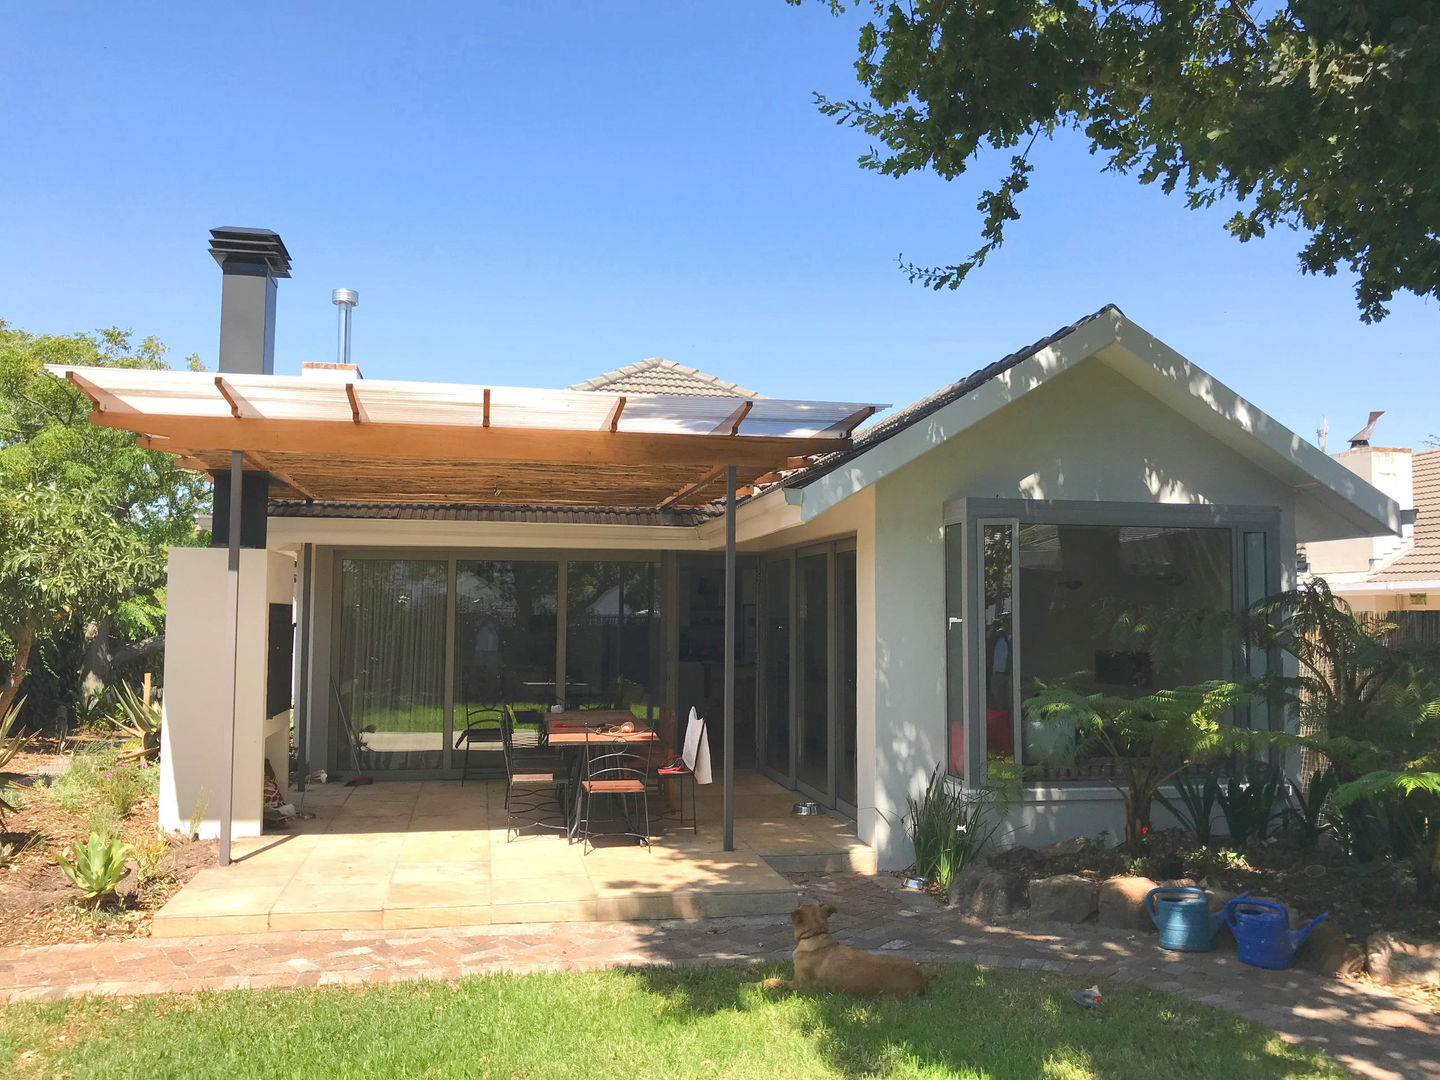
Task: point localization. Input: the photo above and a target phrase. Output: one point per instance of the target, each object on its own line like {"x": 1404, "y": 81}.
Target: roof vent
{"x": 1362, "y": 437}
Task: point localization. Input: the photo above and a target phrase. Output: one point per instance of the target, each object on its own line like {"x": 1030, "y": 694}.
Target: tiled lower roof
{"x": 657, "y": 376}
{"x": 1421, "y": 562}
{"x": 535, "y": 515}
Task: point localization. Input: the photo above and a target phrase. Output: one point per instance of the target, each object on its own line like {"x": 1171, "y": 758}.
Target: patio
{"x": 409, "y": 855}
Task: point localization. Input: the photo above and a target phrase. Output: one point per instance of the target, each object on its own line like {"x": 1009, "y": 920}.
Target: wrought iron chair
{"x": 482, "y": 725}
{"x": 617, "y": 773}
{"x": 532, "y": 781}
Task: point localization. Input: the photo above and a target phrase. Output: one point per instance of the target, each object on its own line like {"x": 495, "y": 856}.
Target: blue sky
{"x": 536, "y": 192}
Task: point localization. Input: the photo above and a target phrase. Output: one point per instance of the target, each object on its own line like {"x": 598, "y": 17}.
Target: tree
{"x": 86, "y": 516}
{"x": 1324, "y": 118}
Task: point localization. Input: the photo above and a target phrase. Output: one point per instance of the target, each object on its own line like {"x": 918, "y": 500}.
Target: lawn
{"x": 661, "y": 1022}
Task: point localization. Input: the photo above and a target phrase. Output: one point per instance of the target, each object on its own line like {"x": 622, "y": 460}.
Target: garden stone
{"x": 1121, "y": 903}
{"x": 1066, "y": 847}
{"x": 1064, "y": 898}
{"x": 1324, "y": 950}
{"x": 985, "y": 894}
{"x": 1392, "y": 960}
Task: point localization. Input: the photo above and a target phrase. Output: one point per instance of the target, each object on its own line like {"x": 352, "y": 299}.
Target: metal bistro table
{"x": 575, "y": 730}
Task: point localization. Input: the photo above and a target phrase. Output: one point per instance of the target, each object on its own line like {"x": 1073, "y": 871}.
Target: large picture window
{"x": 1120, "y": 609}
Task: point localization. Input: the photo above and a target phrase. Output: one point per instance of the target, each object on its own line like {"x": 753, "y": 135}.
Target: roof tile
{"x": 657, "y": 376}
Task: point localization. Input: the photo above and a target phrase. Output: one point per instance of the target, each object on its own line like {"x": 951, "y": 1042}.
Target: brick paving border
{"x": 1371, "y": 1031}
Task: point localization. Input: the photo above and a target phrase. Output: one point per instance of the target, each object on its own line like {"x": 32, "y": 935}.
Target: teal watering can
{"x": 1263, "y": 937}
{"x": 1182, "y": 915}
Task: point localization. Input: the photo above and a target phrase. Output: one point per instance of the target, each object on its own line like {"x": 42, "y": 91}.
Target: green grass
{"x": 660, "y": 1022}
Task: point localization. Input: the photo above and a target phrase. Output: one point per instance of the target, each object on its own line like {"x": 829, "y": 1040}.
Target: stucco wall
{"x": 1088, "y": 434}
{"x": 198, "y": 662}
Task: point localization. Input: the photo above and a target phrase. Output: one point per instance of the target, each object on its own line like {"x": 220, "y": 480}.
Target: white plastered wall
{"x": 198, "y": 661}
{"x": 1089, "y": 434}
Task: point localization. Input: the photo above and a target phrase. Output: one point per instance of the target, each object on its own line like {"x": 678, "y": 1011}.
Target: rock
{"x": 986, "y": 894}
{"x": 1064, "y": 898}
{"x": 1065, "y": 847}
{"x": 1121, "y": 903}
{"x": 1392, "y": 960}
{"x": 1324, "y": 950}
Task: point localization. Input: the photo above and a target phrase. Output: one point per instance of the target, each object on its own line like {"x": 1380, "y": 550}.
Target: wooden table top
{"x": 575, "y": 727}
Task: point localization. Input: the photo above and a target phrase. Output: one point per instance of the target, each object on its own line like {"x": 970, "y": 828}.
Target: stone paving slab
{"x": 1375, "y": 1033}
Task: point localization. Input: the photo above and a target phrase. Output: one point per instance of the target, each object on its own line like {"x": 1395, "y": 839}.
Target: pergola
{"x": 336, "y": 437}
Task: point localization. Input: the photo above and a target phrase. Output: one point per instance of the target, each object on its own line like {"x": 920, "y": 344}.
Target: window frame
{"x": 971, "y": 515}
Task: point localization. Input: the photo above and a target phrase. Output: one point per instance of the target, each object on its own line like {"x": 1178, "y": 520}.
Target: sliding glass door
{"x": 808, "y": 684}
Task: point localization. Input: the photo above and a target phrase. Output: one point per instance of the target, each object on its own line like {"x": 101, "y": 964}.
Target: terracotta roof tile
{"x": 657, "y": 376}
{"x": 1421, "y": 562}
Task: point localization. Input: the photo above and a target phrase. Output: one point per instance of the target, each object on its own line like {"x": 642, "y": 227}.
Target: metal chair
{"x": 617, "y": 773}
{"x": 482, "y": 724}
{"x": 530, "y": 781}
{"x": 683, "y": 768}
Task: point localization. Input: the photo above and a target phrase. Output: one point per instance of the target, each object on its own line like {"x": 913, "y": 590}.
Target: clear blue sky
{"x": 536, "y": 192}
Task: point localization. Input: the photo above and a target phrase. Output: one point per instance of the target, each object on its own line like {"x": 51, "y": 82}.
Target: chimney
{"x": 251, "y": 260}
{"x": 1362, "y": 437}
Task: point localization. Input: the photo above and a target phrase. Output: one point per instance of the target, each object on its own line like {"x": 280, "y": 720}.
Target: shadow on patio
{"x": 428, "y": 854}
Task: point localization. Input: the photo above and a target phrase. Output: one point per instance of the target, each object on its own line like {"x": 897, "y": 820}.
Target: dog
{"x": 822, "y": 962}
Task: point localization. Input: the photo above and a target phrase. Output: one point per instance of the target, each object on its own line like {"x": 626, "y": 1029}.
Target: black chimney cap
{"x": 250, "y": 245}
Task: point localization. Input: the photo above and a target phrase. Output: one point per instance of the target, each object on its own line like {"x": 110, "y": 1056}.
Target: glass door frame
{"x": 789, "y": 775}
{"x": 451, "y": 555}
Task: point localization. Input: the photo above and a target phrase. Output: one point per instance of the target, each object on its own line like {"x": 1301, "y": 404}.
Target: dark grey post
{"x": 233, "y": 602}
{"x": 729, "y": 752}
{"x": 302, "y": 687}
{"x": 251, "y": 261}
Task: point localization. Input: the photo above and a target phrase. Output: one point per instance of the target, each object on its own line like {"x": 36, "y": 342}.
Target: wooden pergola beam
{"x": 239, "y": 406}
{"x": 690, "y": 488}
{"x": 280, "y": 474}
{"x": 465, "y": 442}
{"x": 612, "y": 422}
{"x": 850, "y": 423}
{"x": 357, "y": 411}
{"x": 103, "y": 400}
{"x": 731, "y": 424}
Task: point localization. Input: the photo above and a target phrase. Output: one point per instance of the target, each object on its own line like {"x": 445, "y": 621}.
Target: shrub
{"x": 1198, "y": 790}
{"x": 148, "y": 855}
{"x": 12, "y": 742}
{"x": 949, "y": 829}
{"x": 1252, "y": 801}
{"x": 95, "y": 866}
{"x": 100, "y": 777}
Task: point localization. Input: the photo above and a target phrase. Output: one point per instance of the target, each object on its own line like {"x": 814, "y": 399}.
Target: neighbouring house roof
{"x": 373, "y": 440}
{"x": 534, "y": 515}
{"x": 1422, "y": 561}
{"x": 657, "y": 376}
{"x": 1331, "y": 502}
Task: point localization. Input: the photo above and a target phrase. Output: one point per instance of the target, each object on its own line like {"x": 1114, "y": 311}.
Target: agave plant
{"x": 12, "y": 742}
{"x": 138, "y": 720}
{"x": 95, "y": 866}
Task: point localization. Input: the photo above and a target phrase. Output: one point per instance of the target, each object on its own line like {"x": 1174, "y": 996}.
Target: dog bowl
{"x": 805, "y": 809}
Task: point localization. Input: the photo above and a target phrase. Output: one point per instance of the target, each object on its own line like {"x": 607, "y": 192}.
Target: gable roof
{"x": 1421, "y": 562}
{"x": 658, "y": 376}
{"x": 1331, "y": 501}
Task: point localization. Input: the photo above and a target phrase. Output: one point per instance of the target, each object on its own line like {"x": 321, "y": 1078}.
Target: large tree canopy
{"x": 1322, "y": 115}
{"x": 86, "y": 516}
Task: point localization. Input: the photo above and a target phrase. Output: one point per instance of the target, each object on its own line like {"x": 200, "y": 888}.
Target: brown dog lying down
{"x": 823, "y": 962}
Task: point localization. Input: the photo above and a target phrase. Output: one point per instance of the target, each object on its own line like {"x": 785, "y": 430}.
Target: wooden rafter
{"x": 731, "y": 424}
{"x": 102, "y": 399}
{"x": 466, "y": 443}
{"x": 485, "y": 415}
{"x": 280, "y": 474}
{"x": 690, "y": 488}
{"x": 612, "y": 422}
{"x": 850, "y": 423}
{"x": 357, "y": 411}
{"x": 239, "y": 406}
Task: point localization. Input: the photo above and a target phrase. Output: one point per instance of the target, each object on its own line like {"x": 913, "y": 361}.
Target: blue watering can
{"x": 1182, "y": 915}
{"x": 1263, "y": 937}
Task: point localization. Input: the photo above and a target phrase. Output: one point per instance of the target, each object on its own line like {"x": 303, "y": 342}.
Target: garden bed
{"x": 67, "y": 795}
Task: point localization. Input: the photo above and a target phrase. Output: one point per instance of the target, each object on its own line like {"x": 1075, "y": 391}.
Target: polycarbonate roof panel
{"x": 288, "y": 397}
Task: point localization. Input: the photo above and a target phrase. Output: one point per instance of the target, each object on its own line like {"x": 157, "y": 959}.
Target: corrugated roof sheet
{"x": 897, "y": 422}
{"x": 1422, "y": 562}
{"x": 536, "y": 515}
{"x": 657, "y": 376}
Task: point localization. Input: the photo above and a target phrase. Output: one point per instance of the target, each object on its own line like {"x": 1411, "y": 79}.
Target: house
{"x": 1390, "y": 574}
{"x": 445, "y": 547}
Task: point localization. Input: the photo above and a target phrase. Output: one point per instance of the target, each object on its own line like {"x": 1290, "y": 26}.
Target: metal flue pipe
{"x": 345, "y": 300}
